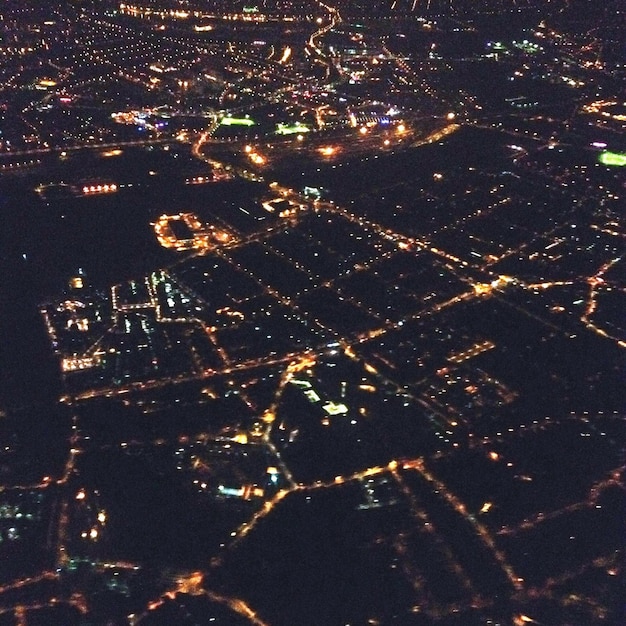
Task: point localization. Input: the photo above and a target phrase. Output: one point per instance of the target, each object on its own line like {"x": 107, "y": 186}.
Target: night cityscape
{"x": 312, "y": 312}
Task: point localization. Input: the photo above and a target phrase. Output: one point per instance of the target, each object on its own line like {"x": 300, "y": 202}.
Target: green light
{"x": 284, "y": 129}
{"x": 616, "y": 159}
{"x": 237, "y": 121}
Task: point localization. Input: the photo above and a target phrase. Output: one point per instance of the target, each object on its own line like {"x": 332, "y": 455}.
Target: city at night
{"x": 312, "y": 312}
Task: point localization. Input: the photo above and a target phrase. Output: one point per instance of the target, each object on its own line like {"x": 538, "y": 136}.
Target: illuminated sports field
{"x": 284, "y": 129}
{"x": 616, "y": 159}
{"x": 237, "y": 121}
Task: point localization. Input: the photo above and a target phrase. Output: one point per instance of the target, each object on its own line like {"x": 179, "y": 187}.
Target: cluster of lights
{"x": 198, "y": 180}
{"x": 136, "y": 10}
{"x": 201, "y": 236}
{"x": 255, "y": 157}
{"x": 74, "y": 363}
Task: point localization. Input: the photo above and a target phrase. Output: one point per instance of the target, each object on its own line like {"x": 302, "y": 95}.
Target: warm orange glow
{"x": 327, "y": 151}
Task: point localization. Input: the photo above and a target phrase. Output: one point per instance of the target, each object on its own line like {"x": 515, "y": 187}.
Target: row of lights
{"x": 90, "y": 189}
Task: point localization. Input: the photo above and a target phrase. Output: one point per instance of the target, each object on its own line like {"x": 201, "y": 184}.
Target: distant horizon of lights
{"x": 614, "y": 159}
